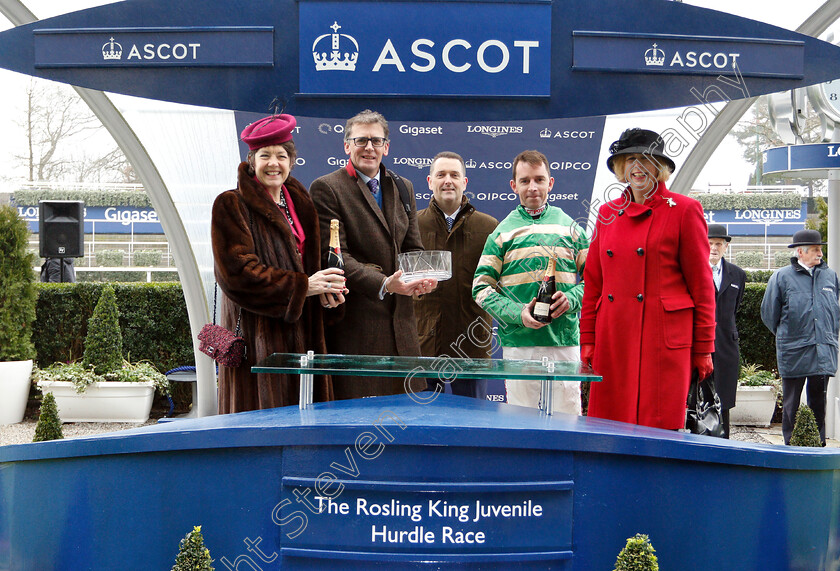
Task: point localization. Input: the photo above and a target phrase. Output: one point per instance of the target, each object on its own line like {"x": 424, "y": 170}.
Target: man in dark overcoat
{"x": 800, "y": 306}
{"x": 375, "y": 226}
{"x": 449, "y": 321}
{"x": 729, "y": 281}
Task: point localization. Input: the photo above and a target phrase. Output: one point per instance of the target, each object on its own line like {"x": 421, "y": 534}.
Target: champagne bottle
{"x": 334, "y": 258}
{"x": 542, "y": 309}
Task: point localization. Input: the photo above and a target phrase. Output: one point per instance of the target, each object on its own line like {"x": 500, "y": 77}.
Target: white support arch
{"x": 731, "y": 113}
{"x": 188, "y": 270}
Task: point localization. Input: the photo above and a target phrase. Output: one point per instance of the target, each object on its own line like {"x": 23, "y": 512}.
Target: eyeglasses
{"x": 363, "y": 141}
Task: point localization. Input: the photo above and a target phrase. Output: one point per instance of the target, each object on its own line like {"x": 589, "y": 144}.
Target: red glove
{"x": 587, "y": 353}
{"x": 703, "y": 363}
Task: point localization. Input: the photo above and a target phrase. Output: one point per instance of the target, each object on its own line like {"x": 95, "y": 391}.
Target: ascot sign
{"x": 419, "y": 60}
{"x": 494, "y": 59}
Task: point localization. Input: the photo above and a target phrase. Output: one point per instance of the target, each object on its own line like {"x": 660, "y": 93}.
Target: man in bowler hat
{"x": 729, "y": 291}
{"x": 800, "y": 307}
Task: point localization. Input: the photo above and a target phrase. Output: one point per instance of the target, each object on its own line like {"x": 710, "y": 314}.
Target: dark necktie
{"x": 373, "y": 185}
{"x": 449, "y": 223}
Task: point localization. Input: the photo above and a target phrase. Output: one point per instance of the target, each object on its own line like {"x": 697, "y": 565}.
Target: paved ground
{"x": 24, "y": 432}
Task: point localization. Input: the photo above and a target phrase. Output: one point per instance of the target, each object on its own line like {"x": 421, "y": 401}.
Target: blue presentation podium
{"x": 390, "y": 483}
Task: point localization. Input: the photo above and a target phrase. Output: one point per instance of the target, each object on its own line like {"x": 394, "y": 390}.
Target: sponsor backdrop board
{"x": 106, "y": 219}
{"x": 760, "y": 221}
{"x": 488, "y": 149}
{"x": 571, "y": 146}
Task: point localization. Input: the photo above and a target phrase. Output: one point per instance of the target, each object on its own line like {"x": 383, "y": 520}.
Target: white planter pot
{"x": 754, "y": 406}
{"x": 14, "y": 390}
{"x": 102, "y": 402}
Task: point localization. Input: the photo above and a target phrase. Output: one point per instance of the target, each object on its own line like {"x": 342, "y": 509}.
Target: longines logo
{"x": 494, "y": 130}
{"x": 420, "y": 163}
{"x": 338, "y": 53}
{"x": 656, "y": 57}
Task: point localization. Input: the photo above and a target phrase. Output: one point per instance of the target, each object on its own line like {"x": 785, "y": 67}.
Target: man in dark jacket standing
{"x": 376, "y": 225}
{"x": 729, "y": 281}
{"x": 449, "y": 322}
{"x": 800, "y": 307}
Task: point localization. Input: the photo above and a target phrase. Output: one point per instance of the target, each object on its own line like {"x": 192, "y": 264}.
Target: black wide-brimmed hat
{"x": 640, "y": 141}
{"x": 806, "y": 238}
{"x": 719, "y": 231}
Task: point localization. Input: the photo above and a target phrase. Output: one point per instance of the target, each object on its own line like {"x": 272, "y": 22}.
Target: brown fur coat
{"x": 259, "y": 270}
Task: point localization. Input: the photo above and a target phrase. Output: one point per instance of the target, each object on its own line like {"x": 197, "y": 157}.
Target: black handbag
{"x": 704, "y": 414}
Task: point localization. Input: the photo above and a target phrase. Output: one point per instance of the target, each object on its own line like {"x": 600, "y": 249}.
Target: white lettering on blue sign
{"x": 164, "y": 51}
{"x": 457, "y": 63}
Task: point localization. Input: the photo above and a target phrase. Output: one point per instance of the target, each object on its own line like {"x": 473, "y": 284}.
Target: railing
{"x": 44, "y": 185}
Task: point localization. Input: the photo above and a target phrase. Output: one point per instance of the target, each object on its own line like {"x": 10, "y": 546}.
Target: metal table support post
{"x": 306, "y": 381}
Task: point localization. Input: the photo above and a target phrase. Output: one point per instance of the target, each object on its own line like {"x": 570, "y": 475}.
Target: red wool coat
{"x": 649, "y": 303}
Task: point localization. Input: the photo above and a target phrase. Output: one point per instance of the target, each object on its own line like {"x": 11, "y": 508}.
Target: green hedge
{"x": 153, "y": 321}
{"x": 147, "y": 258}
{"x": 758, "y": 276}
{"x": 109, "y": 258}
{"x": 758, "y": 345}
{"x": 136, "y": 198}
{"x": 742, "y": 201}
{"x": 749, "y": 259}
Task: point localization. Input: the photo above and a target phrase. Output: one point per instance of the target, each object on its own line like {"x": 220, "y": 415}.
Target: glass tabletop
{"x": 427, "y": 367}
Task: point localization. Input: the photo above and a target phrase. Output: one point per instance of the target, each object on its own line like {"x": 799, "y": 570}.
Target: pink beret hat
{"x": 268, "y": 131}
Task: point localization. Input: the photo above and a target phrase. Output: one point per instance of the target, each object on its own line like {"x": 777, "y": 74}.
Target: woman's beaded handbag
{"x": 224, "y": 347}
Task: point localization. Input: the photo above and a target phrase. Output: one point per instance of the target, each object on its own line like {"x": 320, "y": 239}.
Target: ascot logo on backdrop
{"x": 687, "y": 54}
{"x": 338, "y": 53}
{"x": 113, "y": 51}
{"x": 655, "y": 57}
{"x": 408, "y": 52}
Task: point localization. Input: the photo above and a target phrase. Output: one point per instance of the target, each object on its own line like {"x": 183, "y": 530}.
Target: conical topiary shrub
{"x": 637, "y": 555}
{"x": 193, "y": 556}
{"x": 17, "y": 288}
{"x": 805, "y": 431}
{"x": 49, "y": 424}
{"x": 103, "y": 344}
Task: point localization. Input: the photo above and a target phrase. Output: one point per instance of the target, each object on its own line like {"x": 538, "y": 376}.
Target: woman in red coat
{"x": 267, "y": 251}
{"x": 648, "y": 316}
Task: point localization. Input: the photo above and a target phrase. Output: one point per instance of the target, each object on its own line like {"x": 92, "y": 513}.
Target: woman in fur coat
{"x": 266, "y": 246}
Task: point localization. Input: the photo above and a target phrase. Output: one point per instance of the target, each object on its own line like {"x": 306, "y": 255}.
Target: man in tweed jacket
{"x": 374, "y": 228}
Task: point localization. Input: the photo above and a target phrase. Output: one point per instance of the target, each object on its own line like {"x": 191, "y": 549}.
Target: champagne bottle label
{"x": 541, "y": 309}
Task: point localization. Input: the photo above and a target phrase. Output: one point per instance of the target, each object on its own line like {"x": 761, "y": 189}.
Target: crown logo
{"x": 470, "y": 164}
{"x": 111, "y": 50}
{"x": 340, "y": 56}
{"x": 545, "y": 133}
{"x": 655, "y": 56}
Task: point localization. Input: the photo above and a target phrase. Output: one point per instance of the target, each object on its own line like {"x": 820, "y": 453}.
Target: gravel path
{"x": 24, "y": 432}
